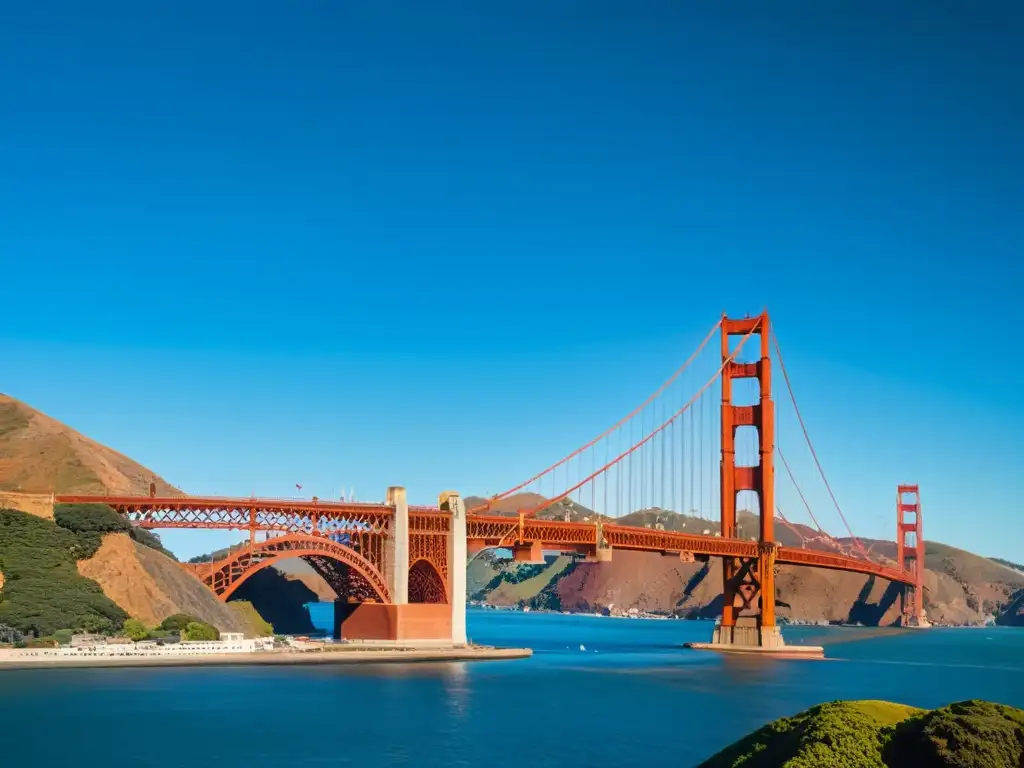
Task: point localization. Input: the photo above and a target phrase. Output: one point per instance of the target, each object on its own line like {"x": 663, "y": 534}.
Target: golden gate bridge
{"x": 638, "y": 485}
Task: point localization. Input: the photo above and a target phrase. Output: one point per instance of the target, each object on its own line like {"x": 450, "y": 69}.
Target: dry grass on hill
{"x": 150, "y": 586}
{"x": 40, "y": 455}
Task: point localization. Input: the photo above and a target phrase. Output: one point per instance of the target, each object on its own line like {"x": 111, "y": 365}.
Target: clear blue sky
{"x": 440, "y": 244}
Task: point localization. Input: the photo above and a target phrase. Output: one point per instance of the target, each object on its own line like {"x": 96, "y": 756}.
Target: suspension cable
{"x": 800, "y": 492}
{"x": 548, "y": 502}
{"x": 610, "y": 429}
{"x": 793, "y": 528}
{"x": 814, "y": 454}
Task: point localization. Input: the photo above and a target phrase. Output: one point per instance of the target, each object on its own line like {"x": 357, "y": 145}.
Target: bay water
{"x": 598, "y": 691}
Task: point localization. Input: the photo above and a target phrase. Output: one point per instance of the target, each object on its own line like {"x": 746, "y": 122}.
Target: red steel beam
{"x": 213, "y": 512}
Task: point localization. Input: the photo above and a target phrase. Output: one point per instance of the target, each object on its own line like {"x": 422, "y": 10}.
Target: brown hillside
{"x": 40, "y": 455}
{"x": 150, "y": 586}
{"x": 299, "y": 570}
{"x": 662, "y": 584}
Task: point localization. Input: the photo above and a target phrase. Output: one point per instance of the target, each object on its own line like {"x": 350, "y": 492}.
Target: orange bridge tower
{"x": 910, "y": 553}
{"x": 748, "y": 604}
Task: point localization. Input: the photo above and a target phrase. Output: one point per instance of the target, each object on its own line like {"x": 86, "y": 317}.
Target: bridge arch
{"x": 426, "y": 584}
{"x": 347, "y": 572}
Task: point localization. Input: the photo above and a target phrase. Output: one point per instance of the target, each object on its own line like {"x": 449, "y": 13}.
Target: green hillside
{"x": 42, "y": 590}
{"x": 879, "y": 734}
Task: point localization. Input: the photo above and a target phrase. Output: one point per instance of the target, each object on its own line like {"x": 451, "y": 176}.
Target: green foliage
{"x": 177, "y": 622}
{"x": 91, "y": 521}
{"x": 258, "y": 626}
{"x": 96, "y": 518}
{"x": 191, "y": 627}
{"x": 878, "y": 734}
{"x": 834, "y": 735}
{"x": 149, "y": 539}
{"x": 968, "y": 734}
{"x": 197, "y": 630}
{"x": 1008, "y": 563}
{"x": 135, "y": 630}
{"x": 217, "y": 554}
{"x": 63, "y": 636}
{"x": 43, "y": 591}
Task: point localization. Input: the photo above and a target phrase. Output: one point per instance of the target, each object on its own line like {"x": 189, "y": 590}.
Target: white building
{"x": 230, "y": 642}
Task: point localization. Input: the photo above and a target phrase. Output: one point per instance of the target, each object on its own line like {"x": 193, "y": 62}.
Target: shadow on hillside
{"x": 709, "y": 610}
{"x": 871, "y": 614}
{"x": 280, "y": 601}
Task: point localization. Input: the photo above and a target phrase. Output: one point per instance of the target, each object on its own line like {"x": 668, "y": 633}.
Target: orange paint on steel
{"x": 910, "y": 548}
{"x": 225, "y": 576}
{"x": 759, "y": 479}
{"x": 495, "y": 531}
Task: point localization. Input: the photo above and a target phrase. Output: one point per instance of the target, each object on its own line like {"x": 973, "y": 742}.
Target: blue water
{"x": 632, "y": 698}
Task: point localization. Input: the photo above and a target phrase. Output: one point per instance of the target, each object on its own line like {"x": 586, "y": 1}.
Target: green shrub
{"x": 43, "y": 591}
{"x": 967, "y": 734}
{"x": 95, "y": 518}
{"x": 135, "y": 630}
{"x": 177, "y": 622}
{"x": 149, "y": 539}
{"x": 63, "y": 636}
{"x": 91, "y": 521}
{"x": 834, "y": 735}
{"x": 197, "y": 630}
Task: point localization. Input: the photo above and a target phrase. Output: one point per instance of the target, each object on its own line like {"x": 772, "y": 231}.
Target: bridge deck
{"x": 326, "y": 517}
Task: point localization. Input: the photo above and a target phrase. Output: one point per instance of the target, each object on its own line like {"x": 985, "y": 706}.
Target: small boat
{"x": 582, "y": 648}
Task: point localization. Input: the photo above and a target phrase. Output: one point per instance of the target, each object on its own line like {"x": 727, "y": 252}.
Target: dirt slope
{"x": 40, "y": 455}
{"x": 150, "y": 586}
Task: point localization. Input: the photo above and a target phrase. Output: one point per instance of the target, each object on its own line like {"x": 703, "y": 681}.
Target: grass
{"x": 881, "y": 734}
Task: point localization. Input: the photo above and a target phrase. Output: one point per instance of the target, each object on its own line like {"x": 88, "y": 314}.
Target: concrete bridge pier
{"x": 398, "y": 620}
{"x": 457, "y": 569}
{"x": 396, "y": 552}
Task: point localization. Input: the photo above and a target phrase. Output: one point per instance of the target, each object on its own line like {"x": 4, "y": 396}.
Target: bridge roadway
{"x": 324, "y": 518}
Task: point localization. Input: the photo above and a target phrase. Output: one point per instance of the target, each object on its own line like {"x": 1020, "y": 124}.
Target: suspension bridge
{"x": 668, "y": 478}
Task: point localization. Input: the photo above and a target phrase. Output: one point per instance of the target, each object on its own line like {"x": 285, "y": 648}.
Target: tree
{"x": 197, "y": 630}
{"x": 91, "y": 521}
{"x": 177, "y": 622}
{"x": 135, "y": 629}
{"x": 63, "y": 636}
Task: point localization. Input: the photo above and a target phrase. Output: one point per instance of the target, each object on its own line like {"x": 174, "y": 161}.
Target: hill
{"x": 40, "y": 455}
{"x": 960, "y": 588}
{"x": 86, "y": 570}
{"x": 879, "y": 734}
{"x": 150, "y": 586}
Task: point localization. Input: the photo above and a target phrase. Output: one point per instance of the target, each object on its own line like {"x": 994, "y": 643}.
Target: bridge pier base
{"x": 529, "y": 554}
{"x": 387, "y": 622}
{"x": 599, "y": 555}
{"x": 438, "y": 623}
{"x": 748, "y": 635}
